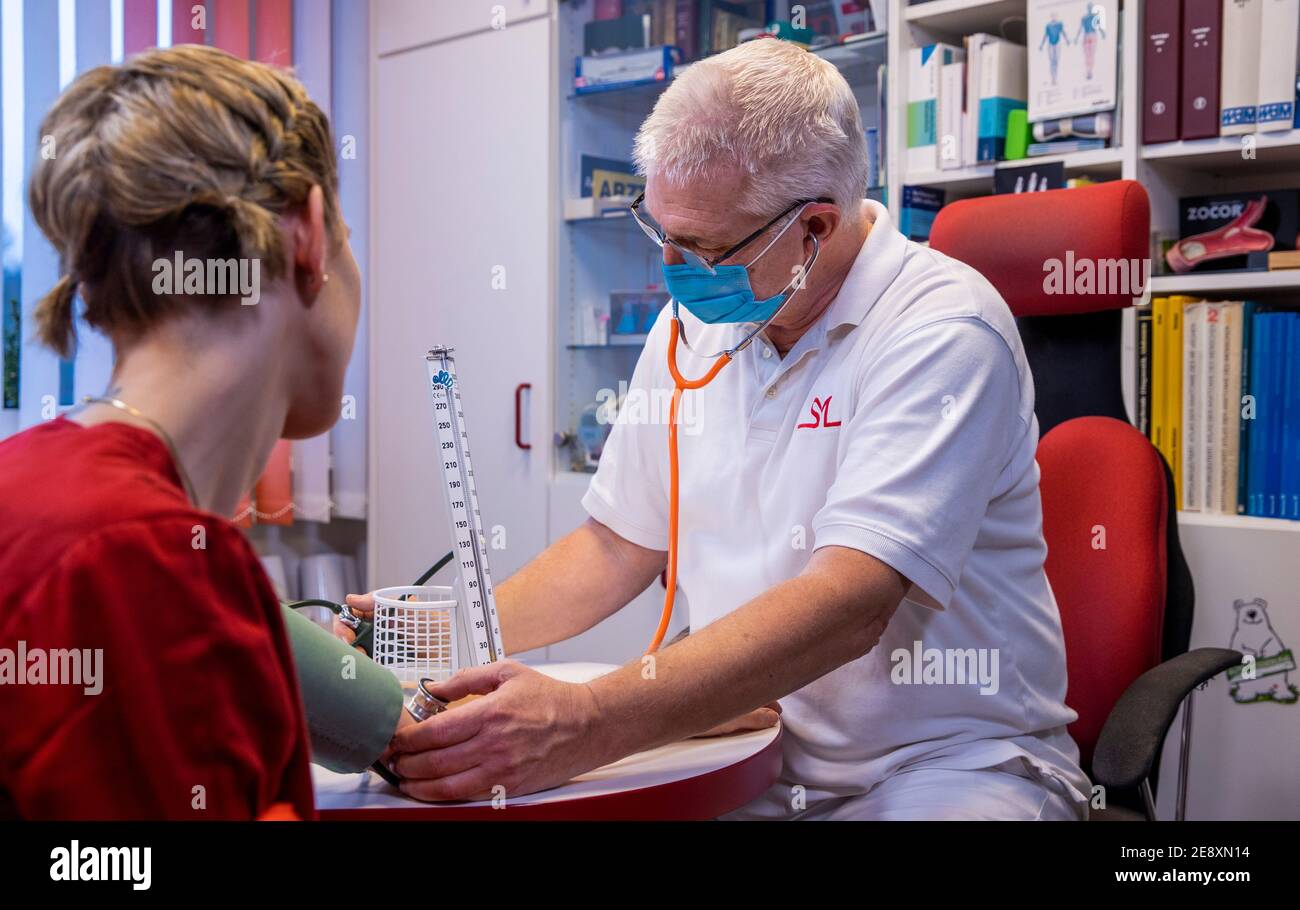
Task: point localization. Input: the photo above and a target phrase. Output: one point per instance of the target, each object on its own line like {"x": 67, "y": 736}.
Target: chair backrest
{"x": 1067, "y": 262}
{"x": 1029, "y": 246}
{"x": 1104, "y": 513}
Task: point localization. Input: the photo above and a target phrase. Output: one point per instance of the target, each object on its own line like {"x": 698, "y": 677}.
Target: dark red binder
{"x": 686, "y": 19}
{"x": 1202, "y": 26}
{"x": 1161, "y": 70}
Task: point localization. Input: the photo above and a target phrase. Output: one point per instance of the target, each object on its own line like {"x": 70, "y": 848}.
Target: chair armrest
{"x": 1131, "y": 738}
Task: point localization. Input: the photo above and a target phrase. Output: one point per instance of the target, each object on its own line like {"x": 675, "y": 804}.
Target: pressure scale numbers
{"x": 475, "y": 580}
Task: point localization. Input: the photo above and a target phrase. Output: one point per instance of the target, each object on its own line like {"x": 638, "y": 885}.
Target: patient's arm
{"x": 353, "y": 705}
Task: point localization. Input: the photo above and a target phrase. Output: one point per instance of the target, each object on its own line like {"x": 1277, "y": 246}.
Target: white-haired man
{"x": 860, "y": 529}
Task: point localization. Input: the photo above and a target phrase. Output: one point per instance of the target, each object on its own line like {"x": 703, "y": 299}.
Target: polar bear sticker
{"x": 1264, "y": 674}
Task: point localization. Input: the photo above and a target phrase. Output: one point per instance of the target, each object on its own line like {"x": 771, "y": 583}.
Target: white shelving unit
{"x": 962, "y": 181}
{"x": 1107, "y": 162}
{"x": 977, "y": 180}
{"x": 1167, "y": 170}
{"x": 951, "y": 20}
{"x": 962, "y": 16}
{"x": 1242, "y": 522}
{"x": 1280, "y": 146}
{"x": 1233, "y": 558}
{"x": 1230, "y": 283}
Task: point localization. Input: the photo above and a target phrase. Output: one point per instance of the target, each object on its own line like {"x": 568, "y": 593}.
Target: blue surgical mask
{"x": 725, "y": 296}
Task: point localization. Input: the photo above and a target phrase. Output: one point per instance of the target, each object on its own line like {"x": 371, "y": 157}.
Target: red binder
{"x": 1202, "y": 28}
{"x": 1161, "y": 70}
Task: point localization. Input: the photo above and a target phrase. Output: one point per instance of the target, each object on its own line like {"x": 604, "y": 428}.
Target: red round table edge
{"x": 690, "y": 799}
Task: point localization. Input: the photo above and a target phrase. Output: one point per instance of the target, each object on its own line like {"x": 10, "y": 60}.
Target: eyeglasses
{"x": 657, "y": 235}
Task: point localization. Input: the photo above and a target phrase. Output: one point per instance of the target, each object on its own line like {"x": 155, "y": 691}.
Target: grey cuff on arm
{"x": 352, "y": 707}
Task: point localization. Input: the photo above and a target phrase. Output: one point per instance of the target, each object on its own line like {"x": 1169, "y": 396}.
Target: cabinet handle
{"x": 519, "y": 415}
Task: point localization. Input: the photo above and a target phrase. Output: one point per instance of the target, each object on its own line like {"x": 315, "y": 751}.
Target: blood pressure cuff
{"x": 352, "y": 703}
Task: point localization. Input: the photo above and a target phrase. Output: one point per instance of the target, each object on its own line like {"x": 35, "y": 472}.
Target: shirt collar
{"x": 875, "y": 268}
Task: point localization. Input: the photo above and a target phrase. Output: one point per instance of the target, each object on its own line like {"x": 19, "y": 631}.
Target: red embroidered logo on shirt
{"x": 821, "y": 415}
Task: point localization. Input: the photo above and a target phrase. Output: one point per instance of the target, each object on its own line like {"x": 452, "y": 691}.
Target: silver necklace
{"x": 166, "y": 438}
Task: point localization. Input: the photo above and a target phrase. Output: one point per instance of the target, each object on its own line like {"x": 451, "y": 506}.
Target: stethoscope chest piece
{"x": 424, "y": 704}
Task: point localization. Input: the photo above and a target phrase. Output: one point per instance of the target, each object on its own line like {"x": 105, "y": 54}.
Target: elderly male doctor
{"x": 858, "y": 488}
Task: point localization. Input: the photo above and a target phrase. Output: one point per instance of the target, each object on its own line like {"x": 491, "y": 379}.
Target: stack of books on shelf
{"x": 1218, "y": 393}
{"x": 959, "y": 99}
{"x": 994, "y": 99}
{"x": 1219, "y": 68}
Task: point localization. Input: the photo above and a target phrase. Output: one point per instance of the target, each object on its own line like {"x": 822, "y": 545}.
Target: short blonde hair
{"x": 188, "y": 149}
{"x": 784, "y": 116}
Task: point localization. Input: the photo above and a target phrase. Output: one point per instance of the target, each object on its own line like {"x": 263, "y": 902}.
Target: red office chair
{"x": 1114, "y": 562}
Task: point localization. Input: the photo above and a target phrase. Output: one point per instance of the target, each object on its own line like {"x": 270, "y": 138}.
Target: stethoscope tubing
{"x": 682, "y": 384}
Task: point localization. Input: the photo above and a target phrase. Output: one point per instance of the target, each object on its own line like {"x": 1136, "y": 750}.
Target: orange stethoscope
{"x": 682, "y": 384}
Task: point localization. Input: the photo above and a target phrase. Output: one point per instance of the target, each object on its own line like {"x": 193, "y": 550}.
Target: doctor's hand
{"x": 362, "y": 605}
{"x": 529, "y": 733}
{"x": 758, "y": 719}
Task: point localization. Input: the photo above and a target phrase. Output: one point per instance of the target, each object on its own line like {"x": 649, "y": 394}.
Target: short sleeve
{"x": 196, "y": 714}
{"x": 934, "y": 427}
{"x": 629, "y": 491}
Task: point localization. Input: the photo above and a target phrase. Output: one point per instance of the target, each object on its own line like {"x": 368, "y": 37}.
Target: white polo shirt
{"x": 902, "y": 425}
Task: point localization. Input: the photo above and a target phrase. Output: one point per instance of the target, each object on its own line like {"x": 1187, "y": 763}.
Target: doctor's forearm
{"x": 579, "y": 580}
{"x": 777, "y": 643}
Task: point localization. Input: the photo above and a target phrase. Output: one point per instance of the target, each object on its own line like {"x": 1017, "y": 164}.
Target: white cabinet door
{"x": 460, "y": 254}
{"x": 404, "y": 24}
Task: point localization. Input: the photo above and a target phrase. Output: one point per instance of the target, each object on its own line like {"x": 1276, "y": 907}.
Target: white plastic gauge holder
{"x": 415, "y": 632}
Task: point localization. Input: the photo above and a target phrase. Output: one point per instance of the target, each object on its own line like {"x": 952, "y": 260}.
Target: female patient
{"x": 112, "y": 535}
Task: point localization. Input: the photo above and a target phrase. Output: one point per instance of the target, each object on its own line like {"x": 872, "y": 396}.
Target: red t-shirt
{"x": 199, "y": 715}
